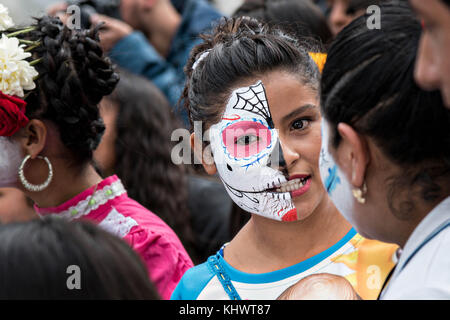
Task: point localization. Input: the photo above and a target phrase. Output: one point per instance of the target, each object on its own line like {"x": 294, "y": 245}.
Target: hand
{"x": 112, "y": 31}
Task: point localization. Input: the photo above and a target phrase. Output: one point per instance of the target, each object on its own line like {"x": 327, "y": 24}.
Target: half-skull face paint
{"x": 333, "y": 179}
{"x": 248, "y": 156}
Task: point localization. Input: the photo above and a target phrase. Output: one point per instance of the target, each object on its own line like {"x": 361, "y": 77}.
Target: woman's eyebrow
{"x": 298, "y": 111}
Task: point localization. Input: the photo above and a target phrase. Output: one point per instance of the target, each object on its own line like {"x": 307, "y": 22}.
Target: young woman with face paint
{"x": 391, "y": 140}
{"x": 255, "y": 91}
{"x": 47, "y": 141}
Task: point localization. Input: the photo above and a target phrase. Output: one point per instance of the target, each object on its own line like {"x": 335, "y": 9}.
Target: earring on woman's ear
{"x": 359, "y": 193}
{"x": 33, "y": 187}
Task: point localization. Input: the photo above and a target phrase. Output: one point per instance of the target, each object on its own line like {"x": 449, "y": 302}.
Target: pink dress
{"x": 109, "y": 206}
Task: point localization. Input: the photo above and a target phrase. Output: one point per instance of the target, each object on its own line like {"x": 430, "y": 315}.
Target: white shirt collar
{"x": 438, "y": 217}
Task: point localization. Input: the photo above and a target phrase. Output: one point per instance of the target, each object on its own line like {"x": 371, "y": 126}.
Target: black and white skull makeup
{"x": 248, "y": 156}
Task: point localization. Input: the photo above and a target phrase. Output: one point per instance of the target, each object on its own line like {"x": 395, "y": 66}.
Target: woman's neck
{"x": 65, "y": 186}
{"x": 266, "y": 245}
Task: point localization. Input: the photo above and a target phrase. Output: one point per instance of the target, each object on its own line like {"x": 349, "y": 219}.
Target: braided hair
{"x": 73, "y": 77}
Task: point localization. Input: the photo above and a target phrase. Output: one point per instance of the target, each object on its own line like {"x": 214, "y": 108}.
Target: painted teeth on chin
{"x": 291, "y": 185}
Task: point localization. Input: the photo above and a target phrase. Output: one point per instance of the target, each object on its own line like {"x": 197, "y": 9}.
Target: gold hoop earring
{"x": 359, "y": 193}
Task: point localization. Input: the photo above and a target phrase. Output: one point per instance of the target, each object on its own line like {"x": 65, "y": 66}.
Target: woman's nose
{"x": 283, "y": 157}
{"x": 276, "y": 158}
{"x": 427, "y": 73}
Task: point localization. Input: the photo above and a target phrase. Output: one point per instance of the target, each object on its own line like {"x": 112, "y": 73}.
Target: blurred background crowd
{"x": 150, "y": 49}
{"x": 145, "y": 105}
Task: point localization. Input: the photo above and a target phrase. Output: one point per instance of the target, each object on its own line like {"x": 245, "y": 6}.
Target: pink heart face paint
{"x": 248, "y": 156}
{"x": 244, "y": 139}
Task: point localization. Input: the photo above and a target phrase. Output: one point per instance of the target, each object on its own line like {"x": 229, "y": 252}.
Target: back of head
{"x": 37, "y": 259}
{"x": 302, "y": 18}
{"x": 73, "y": 77}
{"x": 237, "y": 50}
{"x": 368, "y": 83}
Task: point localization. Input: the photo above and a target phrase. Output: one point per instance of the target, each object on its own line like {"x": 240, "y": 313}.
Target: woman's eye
{"x": 299, "y": 124}
{"x": 246, "y": 140}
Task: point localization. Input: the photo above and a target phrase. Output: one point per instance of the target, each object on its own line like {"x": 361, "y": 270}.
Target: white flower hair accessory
{"x": 200, "y": 59}
{"x": 16, "y": 73}
{"x": 5, "y": 20}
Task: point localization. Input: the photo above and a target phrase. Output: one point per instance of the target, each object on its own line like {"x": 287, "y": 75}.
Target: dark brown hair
{"x": 145, "y": 122}
{"x": 35, "y": 257}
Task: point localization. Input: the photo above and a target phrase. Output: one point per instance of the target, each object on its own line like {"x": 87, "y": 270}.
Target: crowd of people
{"x": 321, "y": 169}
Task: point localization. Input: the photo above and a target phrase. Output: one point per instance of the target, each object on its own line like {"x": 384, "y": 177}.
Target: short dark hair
{"x": 35, "y": 256}
{"x": 368, "y": 83}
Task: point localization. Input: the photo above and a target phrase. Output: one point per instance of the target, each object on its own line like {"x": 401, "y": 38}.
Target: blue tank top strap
{"x": 217, "y": 268}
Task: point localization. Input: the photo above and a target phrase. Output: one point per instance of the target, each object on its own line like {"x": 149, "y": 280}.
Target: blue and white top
{"x": 218, "y": 280}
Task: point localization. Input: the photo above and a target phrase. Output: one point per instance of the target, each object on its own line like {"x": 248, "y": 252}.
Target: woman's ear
{"x": 352, "y": 154}
{"x": 33, "y": 138}
{"x": 204, "y": 155}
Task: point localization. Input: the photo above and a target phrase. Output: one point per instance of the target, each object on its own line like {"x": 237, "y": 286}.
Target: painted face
{"x": 248, "y": 156}
{"x": 10, "y": 159}
{"x": 335, "y": 181}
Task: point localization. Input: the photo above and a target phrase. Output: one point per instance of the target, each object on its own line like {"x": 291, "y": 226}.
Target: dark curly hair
{"x": 73, "y": 77}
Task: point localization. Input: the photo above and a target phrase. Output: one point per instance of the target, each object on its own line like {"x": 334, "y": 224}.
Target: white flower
{"x": 5, "y": 20}
{"x": 16, "y": 74}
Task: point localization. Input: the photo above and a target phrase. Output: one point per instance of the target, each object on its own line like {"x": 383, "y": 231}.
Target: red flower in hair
{"x": 12, "y": 115}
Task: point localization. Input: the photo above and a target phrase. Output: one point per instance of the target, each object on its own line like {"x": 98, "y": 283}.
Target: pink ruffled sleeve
{"x": 165, "y": 257}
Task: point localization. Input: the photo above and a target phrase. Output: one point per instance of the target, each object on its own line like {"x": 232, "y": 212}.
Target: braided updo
{"x": 73, "y": 77}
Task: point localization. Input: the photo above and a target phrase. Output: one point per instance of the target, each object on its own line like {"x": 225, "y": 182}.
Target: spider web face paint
{"x": 245, "y": 146}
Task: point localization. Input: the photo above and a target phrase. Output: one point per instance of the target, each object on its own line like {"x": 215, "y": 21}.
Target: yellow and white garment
{"x": 365, "y": 263}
